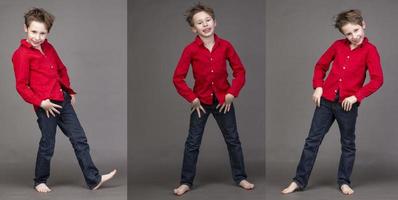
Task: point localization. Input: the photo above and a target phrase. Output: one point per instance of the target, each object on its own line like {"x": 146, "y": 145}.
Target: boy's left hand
{"x": 73, "y": 100}
{"x": 348, "y": 102}
{"x": 227, "y": 103}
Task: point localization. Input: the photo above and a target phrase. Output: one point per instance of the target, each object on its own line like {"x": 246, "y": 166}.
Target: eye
{"x": 34, "y": 31}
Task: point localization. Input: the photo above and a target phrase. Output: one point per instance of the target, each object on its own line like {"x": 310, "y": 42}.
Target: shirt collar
{"x": 28, "y": 45}
{"x": 365, "y": 41}
{"x": 199, "y": 41}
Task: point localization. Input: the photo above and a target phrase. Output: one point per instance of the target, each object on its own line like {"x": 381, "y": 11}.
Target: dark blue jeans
{"x": 227, "y": 124}
{"x": 323, "y": 118}
{"x": 69, "y": 124}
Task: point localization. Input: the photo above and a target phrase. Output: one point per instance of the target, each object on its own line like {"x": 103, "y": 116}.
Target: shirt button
{"x": 52, "y": 66}
{"x": 335, "y": 91}
{"x": 211, "y": 94}
{"x": 211, "y": 59}
{"x": 340, "y": 80}
{"x": 212, "y": 83}
{"x": 348, "y": 57}
{"x": 343, "y": 67}
{"x": 212, "y": 71}
{"x": 60, "y": 90}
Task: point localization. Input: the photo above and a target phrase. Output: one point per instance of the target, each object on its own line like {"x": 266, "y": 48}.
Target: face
{"x": 354, "y": 33}
{"x": 203, "y": 24}
{"x": 36, "y": 33}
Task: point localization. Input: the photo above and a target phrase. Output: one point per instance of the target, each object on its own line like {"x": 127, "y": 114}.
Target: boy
{"x": 338, "y": 97}
{"x": 211, "y": 94}
{"x": 42, "y": 80}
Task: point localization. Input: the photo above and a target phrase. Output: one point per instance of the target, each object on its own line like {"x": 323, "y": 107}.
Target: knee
{"x": 192, "y": 145}
{"x": 79, "y": 143}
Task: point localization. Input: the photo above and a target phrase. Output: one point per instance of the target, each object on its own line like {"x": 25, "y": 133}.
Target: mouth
{"x": 207, "y": 30}
{"x": 36, "y": 43}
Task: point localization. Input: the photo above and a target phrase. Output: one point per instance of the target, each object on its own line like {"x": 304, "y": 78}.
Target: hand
{"x": 50, "y": 107}
{"x": 73, "y": 100}
{"x": 227, "y": 103}
{"x": 196, "y": 106}
{"x": 348, "y": 102}
{"x": 316, "y": 97}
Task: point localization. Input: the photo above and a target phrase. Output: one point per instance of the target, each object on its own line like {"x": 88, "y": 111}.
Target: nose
{"x": 36, "y": 37}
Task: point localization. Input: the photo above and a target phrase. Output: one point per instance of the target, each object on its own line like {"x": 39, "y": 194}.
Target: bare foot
{"x": 246, "y": 185}
{"x": 346, "y": 189}
{"x": 291, "y": 188}
{"x": 42, "y": 187}
{"x": 182, "y": 189}
{"x": 105, "y": 178}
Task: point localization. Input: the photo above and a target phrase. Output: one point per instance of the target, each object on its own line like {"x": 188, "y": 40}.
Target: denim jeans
{"x": 322, "y": 120}
{"x": 69, "y": 124}
{"x": 227, "y": 124}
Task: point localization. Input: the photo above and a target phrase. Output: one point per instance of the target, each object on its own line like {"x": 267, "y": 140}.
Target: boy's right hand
{"x": 50, "y": 107}
{"x": 316, "y": 97}
{"x": 195, "y": 104}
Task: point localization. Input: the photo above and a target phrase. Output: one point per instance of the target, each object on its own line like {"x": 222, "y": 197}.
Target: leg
{"x": 346, "y": 121}
{"x": 191, "y": 152}
{"x": 227, "y": 124}
{"x": 322, "y": 120}
{"x": 71, "y": 127}
{"x": 48, "y": 127}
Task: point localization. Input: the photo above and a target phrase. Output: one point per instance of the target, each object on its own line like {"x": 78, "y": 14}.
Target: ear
{"x": 363, "y": 25}
{"x": 193, "y": 29}
{"x": 215, "y": 23}
{"x": 25, "y": 28}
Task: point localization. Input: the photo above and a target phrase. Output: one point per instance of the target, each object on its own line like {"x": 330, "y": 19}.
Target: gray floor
{"x": 371, "y": 180}
{"x": 157, "y": 182}
{"x": 66, "y": 182}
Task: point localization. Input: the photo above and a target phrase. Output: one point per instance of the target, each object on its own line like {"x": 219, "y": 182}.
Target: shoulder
{"x": 339, "y": 42}
{"x": 191, "y": 47}
{"x": 20, "y": 52}
{"x": 371, "y": 46}
{"x": 225, "y": 42}
{"x": 48, "y": 45}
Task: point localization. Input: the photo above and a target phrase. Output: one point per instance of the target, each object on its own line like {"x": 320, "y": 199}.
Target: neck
{"x": 207, "y": 40}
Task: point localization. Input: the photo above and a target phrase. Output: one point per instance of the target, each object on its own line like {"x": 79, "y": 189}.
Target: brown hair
{"x": 350, "y": 16}
{"x": 39, "y": 15}
{"x": 198, "y": 8}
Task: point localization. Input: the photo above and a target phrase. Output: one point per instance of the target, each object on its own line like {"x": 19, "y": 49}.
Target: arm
{"x": 238, "y": 71}
{"x": 63, "y": 73}
{"x": 180, "y": 74}
{"x": 376, "y": 75}
{"x": 322, "y": 66}
{"x": 22, "y": 74}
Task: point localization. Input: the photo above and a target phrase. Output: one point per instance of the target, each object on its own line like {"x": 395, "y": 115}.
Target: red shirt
{"x": 348, "y": 72}
{"x": 40, "y": 76}
{"x": 209, "y": 71}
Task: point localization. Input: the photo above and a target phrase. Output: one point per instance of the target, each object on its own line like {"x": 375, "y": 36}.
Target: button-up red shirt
{"x": 348, "y": 72}
{"x": 40, "y": 76}
{"x": 209, "y": 71}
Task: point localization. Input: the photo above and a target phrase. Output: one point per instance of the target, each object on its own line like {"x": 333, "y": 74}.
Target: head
{"x": 38, "y": 23}
{"x": 202, "y": 20}
{"x": 351, "y": 24}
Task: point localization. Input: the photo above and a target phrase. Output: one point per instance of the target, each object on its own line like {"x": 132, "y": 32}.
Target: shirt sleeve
{"x": 180, "y": 74}
{"x": 322, "y": 66}
{"x": 375, "y": 73}
{"x": 22, "y": 74}
{"x": 63, "y": 73}
{"x": 239, "y": 72}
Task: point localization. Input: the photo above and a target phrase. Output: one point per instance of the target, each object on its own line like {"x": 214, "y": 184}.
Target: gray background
{"x": 90, "y": 37}
{"x": 159, "y": 118}
{"x": 298, "y": 32}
